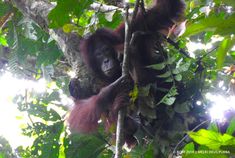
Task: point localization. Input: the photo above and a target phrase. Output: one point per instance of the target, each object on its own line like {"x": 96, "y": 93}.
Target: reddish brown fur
{"x": 86, "y": 113}
{"x": 87, "y": 45}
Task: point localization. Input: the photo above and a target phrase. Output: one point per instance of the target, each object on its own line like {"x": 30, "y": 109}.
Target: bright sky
{"x": 221, "y": 104}
{"x": 10, "y": 117}
{"x": 193, "y": 46}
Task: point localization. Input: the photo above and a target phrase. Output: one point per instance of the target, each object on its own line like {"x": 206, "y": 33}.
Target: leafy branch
{"x": 125, "y": 72}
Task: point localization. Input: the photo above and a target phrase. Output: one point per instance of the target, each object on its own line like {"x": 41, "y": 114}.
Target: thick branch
{"x": 38, "y": 11}
{"x": 67, "y": 42}
{"x": 104, "y": 8}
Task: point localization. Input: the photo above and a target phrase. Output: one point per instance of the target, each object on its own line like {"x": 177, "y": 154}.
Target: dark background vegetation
{"x": 39, "y": 39}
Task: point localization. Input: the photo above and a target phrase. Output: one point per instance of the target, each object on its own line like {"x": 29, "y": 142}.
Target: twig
{"x": 176, "y": 45}
{"x": 5, "y": 19}
{"x": 142, "y": 7}
{"x": 125, "y": 72}
{"x": 104, "y": 8}
{"x": 121, "y": 113}
{"x": 211, "y": 51}
{"x": 186, "y": 136}
{"x": 135, "y": 12}
{"x": 26, "y": 105}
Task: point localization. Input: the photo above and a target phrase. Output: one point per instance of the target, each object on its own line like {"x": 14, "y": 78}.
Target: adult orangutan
{"x": 102, "y": 51}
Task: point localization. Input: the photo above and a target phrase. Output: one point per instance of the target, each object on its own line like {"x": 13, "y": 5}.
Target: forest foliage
{"x": 29, "y": 52}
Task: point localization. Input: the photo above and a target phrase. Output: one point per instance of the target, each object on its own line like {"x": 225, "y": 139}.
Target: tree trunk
{"x": 38, "y": 10}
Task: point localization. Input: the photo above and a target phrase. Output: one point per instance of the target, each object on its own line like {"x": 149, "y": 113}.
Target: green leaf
{"x": 85, "y": 146}
{"x": 43, "y": 112}
{"x": 178, "y": 77}
{"x": 134, "y": 93}
{"x": 67, "y": 28}
{"x": 233, "y": 54}
{"x": 169, "y": 80}
{"x": 146, "y": 111}
{"x": 213, "y": 127}
{"x": 182, "y": 68}
{"x": 132, "y": 1}
{"x": 204, "y": 154}
{"x": 169, "y": 100}
{"x": 85, "y": 19}
{"x": 47, "y": 143}
{"x": 183, "y": 107}
{"x": 224, "y": 47}
{"x": 82, "y": 5}
{"x": 60, "y": 15}
{"x": 231, "y": 127}
{"x": 113, "y": 20}
{"x": 212, "y": 23}
{"x": 228, "y": 2}
{"x": 142, "y": 151}
{"x": 226, "y": 27}
{"x": 173, "y": 91}
{"x": 2, "y": 155}
{"x": 54, "y": 96}
{"x": 165, "y": 75}
{"x": 27, "y": 47}
{"x": 208, "y": 36}
{"x": 211, "y": 139}
{"x": 189, "y": 147}
{"x": 3, "y": 41}
{"x": 171, "y": 60}
{"x": 4, "y": 8}
{"x": 49, "y": 55}
{"x": 157, "y": 66}
{"x": 207, "y": 24}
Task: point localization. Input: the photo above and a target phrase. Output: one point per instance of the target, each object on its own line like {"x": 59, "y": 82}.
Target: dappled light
{"x": 125, "y": 78}
{"x": 220, "y": 106}
{"x": 11, "y": 86}
{"x": 192, "y": 47}
{"x": 72, "y": 74}
{"x": 10, "y": 117}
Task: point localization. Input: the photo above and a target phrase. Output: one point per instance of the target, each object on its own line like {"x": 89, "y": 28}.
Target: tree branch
{"x": 125, "y": 72}
{"x": 104, "y": 8}
{"x": 38, "y": 10}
